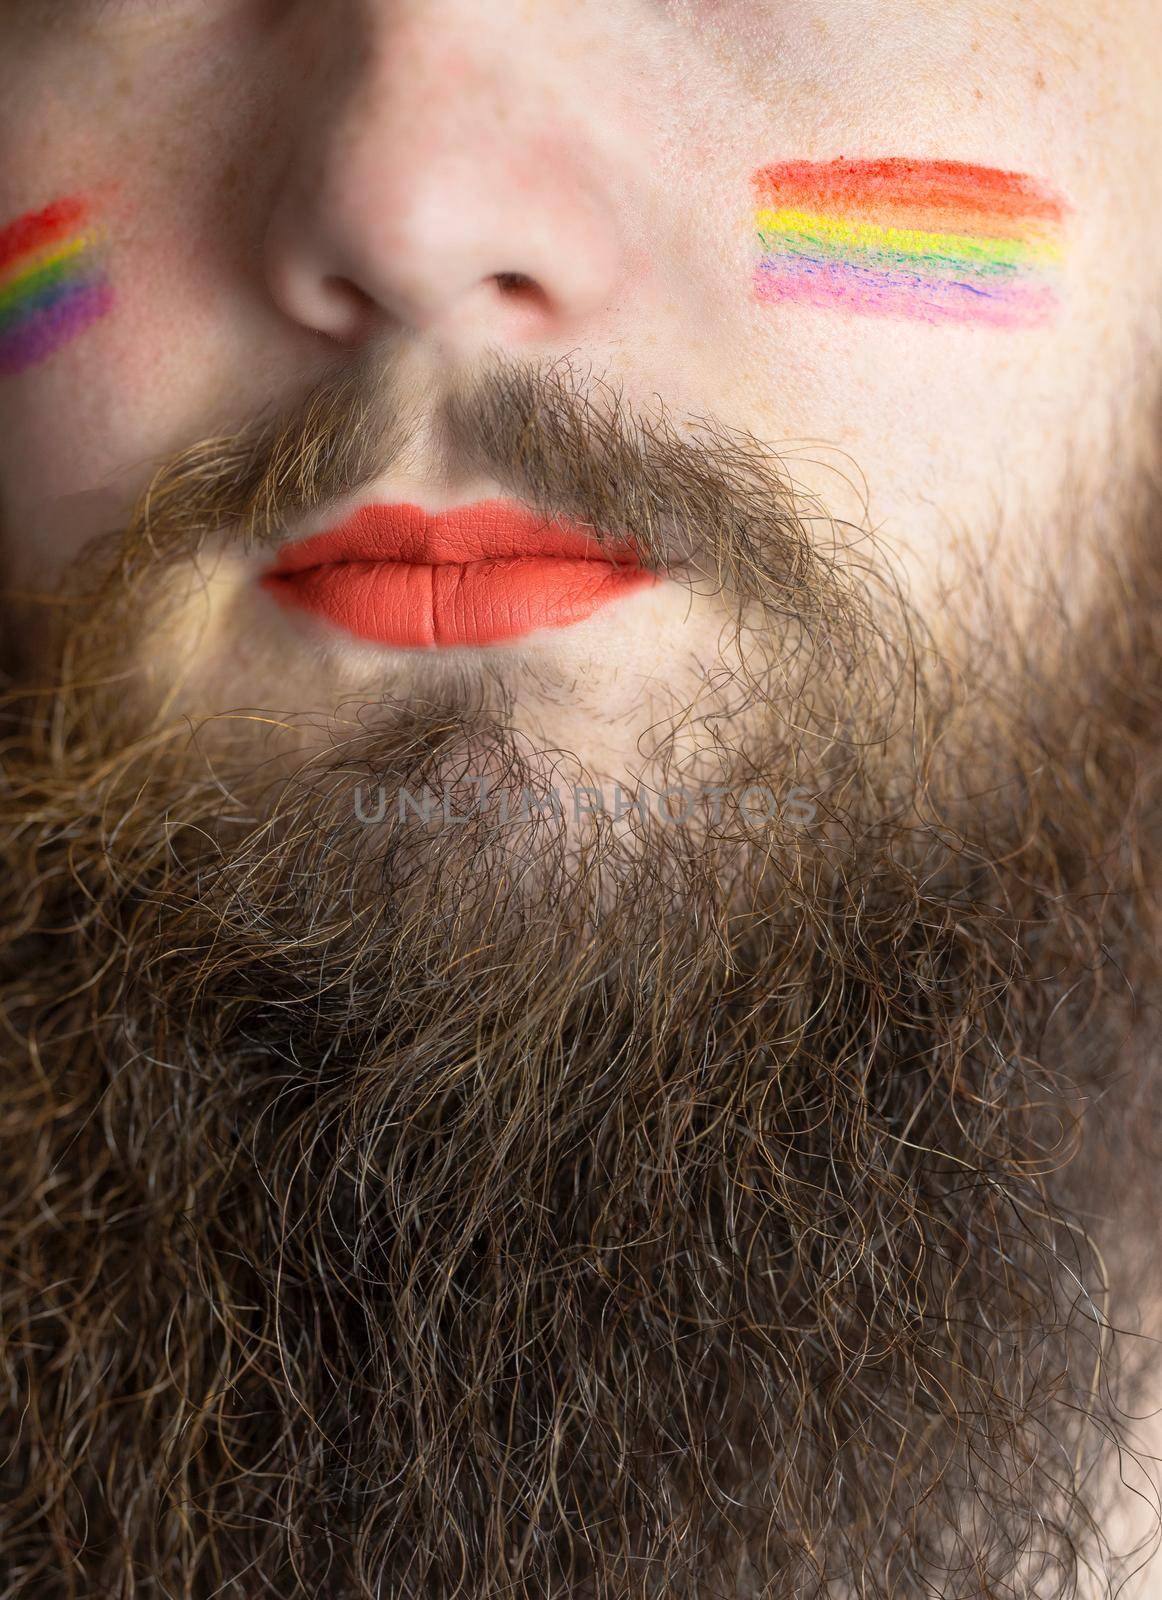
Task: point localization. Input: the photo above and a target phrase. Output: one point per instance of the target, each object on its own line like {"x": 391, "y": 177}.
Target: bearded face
{"x": 627, "y": 1081}
{"x": 525, "y": 1199}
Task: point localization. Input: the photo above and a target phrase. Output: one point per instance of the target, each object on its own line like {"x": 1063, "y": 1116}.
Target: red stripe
{"x": 950, "y": 185}
{"x": 40, "y": 228}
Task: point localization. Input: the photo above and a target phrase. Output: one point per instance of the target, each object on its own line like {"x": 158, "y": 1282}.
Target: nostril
{"x": 518, "y": 286}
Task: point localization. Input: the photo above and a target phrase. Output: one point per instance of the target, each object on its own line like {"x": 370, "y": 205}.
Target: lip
{"x": 475, "y": 575}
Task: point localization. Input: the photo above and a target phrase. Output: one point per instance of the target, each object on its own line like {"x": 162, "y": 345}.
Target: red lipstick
{"x": 476, "y": 575}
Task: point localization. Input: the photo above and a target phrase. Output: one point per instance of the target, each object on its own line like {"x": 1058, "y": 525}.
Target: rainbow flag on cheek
{"x": 53, "y": 282}
{"x": 934, "y": 241}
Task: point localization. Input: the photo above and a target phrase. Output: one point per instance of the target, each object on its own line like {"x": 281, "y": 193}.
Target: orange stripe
{"x": 903, "y": 186}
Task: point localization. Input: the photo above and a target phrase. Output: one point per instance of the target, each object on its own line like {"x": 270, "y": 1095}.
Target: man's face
{"x": 750, "y": 403}
{"x": 282, "y": 191}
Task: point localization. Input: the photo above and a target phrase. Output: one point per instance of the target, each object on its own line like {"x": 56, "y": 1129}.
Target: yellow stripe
{"x": 841, "y": 234}
{"x": 50, "y": 256}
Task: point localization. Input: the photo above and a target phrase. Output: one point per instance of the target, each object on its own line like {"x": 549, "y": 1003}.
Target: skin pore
{"x": 576, "y": 1206}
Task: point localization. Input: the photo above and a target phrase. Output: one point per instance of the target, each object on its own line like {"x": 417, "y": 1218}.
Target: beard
{"x": 519, "y": 1209}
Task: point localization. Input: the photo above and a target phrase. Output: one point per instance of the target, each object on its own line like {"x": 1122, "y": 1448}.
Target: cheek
{"x": 89, "y": 299}
{"x": 54, "y": 281}
{"x": 149, "y": 344}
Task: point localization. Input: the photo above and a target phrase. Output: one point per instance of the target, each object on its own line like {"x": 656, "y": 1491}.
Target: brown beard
{"x": 722, "y": 1232}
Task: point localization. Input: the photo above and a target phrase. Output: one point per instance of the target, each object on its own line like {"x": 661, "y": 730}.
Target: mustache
{"x": 703, "y": 500}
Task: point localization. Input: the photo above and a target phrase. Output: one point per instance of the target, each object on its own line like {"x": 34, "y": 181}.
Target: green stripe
{"x": 992, "y": 259}
{"x": 41, "y": 278}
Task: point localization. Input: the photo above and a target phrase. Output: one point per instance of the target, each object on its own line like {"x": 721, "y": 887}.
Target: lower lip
{"x": 412, "y": 605}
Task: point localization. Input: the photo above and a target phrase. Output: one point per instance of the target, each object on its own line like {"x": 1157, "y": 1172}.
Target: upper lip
{"x": 488, "y": 530}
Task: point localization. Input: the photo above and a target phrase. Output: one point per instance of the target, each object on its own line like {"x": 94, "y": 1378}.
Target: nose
{"x": 435, "y": 183}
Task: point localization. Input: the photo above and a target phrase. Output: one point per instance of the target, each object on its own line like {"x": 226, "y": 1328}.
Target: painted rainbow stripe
{"x": 934, "y": 241}
{"x": 53, "y": 282}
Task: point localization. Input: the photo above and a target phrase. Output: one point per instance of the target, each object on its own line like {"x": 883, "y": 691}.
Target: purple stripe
{"x": 889, "y": 293}
{"x": 47, "y": 327}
